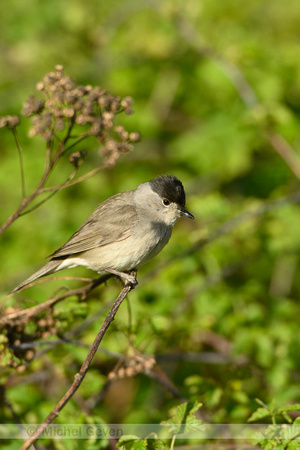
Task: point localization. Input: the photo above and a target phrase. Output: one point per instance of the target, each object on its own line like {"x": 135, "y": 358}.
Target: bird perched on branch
{"x": 124, "y": 232}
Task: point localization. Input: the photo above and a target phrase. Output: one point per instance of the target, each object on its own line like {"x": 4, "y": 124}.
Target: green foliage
{"x": 277, "y": 438}
{"x": 184, "y": 420}
{"x": 216, "y": 100}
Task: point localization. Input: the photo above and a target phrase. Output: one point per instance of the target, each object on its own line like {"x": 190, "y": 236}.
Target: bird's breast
{"x": 144, "y": 242}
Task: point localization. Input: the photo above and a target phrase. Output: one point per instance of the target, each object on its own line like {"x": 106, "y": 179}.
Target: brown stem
{"x": 26, "y": 314}
{"x": 285, "y": 150}
{"x": 27, "y": 200}
{"x": 71, "y": 182}
{"x": 15, "y": 134}
{"x": 84, "y": 368}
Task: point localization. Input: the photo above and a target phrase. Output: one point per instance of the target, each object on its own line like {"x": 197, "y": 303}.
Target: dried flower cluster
{"x": 70, "y": 111}
{"x": 9, "y": 121}
{"x": 137, "y": 364}
{"x": 13, "y": 346}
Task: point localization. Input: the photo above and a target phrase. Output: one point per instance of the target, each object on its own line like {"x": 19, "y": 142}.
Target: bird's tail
{"x": 48, "y": 268}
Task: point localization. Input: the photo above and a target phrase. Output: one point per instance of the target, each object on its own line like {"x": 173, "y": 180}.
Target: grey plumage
{"x": 123, "y": 232}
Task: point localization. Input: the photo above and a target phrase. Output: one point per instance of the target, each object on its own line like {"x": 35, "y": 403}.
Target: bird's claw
{"x": 129, "y": 278}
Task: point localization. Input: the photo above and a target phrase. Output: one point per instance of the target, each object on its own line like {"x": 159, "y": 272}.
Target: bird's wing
{"x": 112, "y": 221}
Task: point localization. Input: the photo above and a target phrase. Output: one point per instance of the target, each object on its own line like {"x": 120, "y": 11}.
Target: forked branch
{"x": 84, "y": 368}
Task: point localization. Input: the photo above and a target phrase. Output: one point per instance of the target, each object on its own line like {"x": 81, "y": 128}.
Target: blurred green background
{"x": 216, "y": 92}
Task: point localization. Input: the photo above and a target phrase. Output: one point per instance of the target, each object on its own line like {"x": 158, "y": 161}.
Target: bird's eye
{"x": 166, "y": 202}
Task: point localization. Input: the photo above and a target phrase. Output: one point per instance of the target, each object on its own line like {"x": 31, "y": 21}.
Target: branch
{"x": 26, "y": 314}
{"x": 15, "y": 134}
{"x": 71, "y": 182}
{"x": 285, "y": 150}
{"x": 27, "y": 200}
{"x": 84, "y": 368}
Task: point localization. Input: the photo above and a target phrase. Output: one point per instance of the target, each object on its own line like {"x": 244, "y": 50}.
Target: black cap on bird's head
{"x": 171, "y": 188}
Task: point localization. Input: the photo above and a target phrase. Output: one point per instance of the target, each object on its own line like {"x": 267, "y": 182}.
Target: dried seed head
{"x": 40, "y": 86}
{"x": 96, "y": 127}
{"x": 48, "y": 135}
{"x": 29, "y": 355}
{"x": 58, "y": 112}
{"x": 88, "y": 109}
{"x": 134, "y": 136}
{"x": 59, "y": 125}
{"x": 32, "y": 106}
{"x": 108, "y": 115}
{"x": 69, "y": 112}
{"x": 70, "y": 97}
{"x": 67, "y": 104}
{"x": 124, "y": 147}
{"x": 121, "y": 372}
{"x": 115, "y": 104}
{"x": 104, "y": 100}
{"x": 107, "y": 120}
{"x": 45, "y": 118}
{"x": 119, "y": 128}
{"x": 32, "y": 132}
{"x": 149, "y": 363}
{"x": 9, "y": 121}
{"x": 77, "y": 158}
{"x": 81, "y": 119}
{"x": 127, "y": 103}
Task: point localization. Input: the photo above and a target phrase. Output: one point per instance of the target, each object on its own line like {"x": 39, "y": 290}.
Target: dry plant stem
{"x": 285, "y": 150}
{"x": 27, "y": 200}
{"x": 84, "y": 368}
{"x": 15, "y": 134}
{"x": 71, "y": 181}
{"x": 26, "y": 314}
{"x": 52, "y": 192}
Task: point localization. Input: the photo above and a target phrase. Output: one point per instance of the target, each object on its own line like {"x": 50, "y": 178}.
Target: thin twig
{"x": 89, "y": 174}
{"x": 81, "y": 138}
{"x": 285, "y": 150}
{"x": 84, "y": 368}
{"x": 27, "y": 200}
{"x": 54, "y": 190}
{"x": 37, "y": 205}
{"x": 26, "y": 314}
{"x": 77, "y": 180}
{"x": 15, "y": 134}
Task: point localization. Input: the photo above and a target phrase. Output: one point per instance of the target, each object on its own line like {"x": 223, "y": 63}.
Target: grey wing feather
{"x": 48, "y": 268}
{"x": 110, "y": 222}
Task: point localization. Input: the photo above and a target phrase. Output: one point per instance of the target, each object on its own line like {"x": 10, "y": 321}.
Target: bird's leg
{"x": 127, "y": 277}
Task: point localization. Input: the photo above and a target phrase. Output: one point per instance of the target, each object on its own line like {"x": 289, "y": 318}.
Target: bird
{"x": 124, "y": 232}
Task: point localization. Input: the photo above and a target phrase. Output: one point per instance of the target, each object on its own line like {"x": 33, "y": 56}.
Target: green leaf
{"x": 259, "y": 414}
{"x": 156, "y": 444}
{"x": 127, "y": 439}
{"x": 141, "y": 444}
{"x": 295, "y": 407}
{"x": 184, "y": 421}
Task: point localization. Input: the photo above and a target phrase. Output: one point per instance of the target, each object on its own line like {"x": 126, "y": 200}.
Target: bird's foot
{"x": 129, "y": 278}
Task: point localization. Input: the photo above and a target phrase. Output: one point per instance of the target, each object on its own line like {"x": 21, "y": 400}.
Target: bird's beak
{"x": 184, "y": 212}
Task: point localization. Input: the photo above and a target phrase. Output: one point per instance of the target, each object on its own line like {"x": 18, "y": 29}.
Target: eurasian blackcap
{"x": 124, "y": 232}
